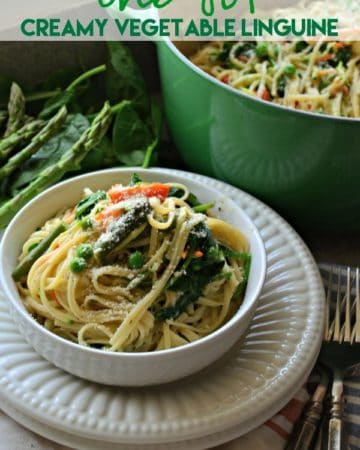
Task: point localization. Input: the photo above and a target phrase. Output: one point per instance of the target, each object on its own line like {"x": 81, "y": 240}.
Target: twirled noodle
{"x": 189, "y": 278}
{"x": 322, "y": 76}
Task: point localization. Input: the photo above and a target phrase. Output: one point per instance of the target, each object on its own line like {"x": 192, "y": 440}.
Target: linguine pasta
{"x": 322, "y": 77}
{"x": 318, "y": 76}
{"x": 137, "y": 268}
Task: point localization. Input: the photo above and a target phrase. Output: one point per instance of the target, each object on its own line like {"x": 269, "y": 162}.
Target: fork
{"x": 343, "y": 324}
{"x": 342, "y": 328}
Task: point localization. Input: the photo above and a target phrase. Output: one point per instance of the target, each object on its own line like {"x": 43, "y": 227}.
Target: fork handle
{"x": 336, "y": 426}
{"x": 303, "y": 439}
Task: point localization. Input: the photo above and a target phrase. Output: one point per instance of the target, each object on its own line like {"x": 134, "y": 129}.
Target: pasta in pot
{"x": 137, "y": 268}
{"x": 322, "y": 77}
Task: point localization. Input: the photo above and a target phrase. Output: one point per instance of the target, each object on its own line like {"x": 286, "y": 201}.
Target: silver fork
{"x": 342, "y": 324}
{"x": 342, "y": 328}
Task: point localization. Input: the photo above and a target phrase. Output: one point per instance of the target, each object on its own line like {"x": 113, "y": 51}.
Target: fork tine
{"x": 327, "y": 331}
{"x": 357, "y": 301}
{"x": 337, "y": 328}
{"x": 347, "y": 324}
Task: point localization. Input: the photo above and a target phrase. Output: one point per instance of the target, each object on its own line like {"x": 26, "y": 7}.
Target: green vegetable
{"x": 55, "y": 103}
{"x": 223, "y": 55}
{"x": 237, "y": 255}
{"x": 290, "y": 69}
{"x": 85, "y": 251}
{"x": 131, "y": 136}
{"x": 241, "y": 288}
{"x": 191, "y": 287}
{"x": 36, "y": 143}
{"x": 156, "y": 125}
{"x": 68, "y": 96}
{"x": 16, "y": 109}
{"x": 192, "y": 200}
{"x": 72, "y": 157}
{"x": 24, "y": 267}
{"x": 135, "y": 179}
{"x": 32, "y": 246}
{"x": 78, "y": 265}
{"x": 124, "y": 80}
{"x": 301, "y": 46}
{"x": 106, "y": 246}
{"x": 87, "y": 204}
{"x": 136, "y": 260}
{"x": 196, "y": 273}
{"x": 281, "y": 85}
{"x": 103, "y": 155}
{"x": 343, "y": 55}
{"x": 262, "y": 49}
{"x": 86, "y": 223}
{"x": 203, "y": 208}
{"x": 22, "y": 136}
{"x": 51, "y": 152}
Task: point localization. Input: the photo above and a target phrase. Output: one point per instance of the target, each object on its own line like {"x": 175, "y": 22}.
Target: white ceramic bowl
{"x": 126, "y": 369}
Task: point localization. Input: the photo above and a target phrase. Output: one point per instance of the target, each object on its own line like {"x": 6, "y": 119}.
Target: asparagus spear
{"x": 36, "y": 143}
{"x": 89, "y": 139}
{"x": 24, "y": 267}
{"x": 16, "y": 110}
{"x": 7, "y": 145}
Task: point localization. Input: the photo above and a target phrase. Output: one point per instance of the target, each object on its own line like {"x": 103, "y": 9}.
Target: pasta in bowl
{"x": 143, "y": 277}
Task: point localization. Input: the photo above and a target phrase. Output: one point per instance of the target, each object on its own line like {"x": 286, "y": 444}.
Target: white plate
{"x": 239, "y": 392}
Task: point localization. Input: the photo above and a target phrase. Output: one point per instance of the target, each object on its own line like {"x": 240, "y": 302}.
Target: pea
{"x": 78, "y": 265}
{"x": 136, "y": 260}
{"x": 86, "y": 223}
{"x": 262, "y": 49}
{"x": 290, "y": 69}
{"x": 85, "y": 251}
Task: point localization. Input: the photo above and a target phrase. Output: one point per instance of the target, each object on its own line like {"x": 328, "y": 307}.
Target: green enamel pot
{"x": 305, "y": 165}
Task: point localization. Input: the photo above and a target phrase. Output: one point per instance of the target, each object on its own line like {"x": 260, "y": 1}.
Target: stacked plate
{"x": 231, "y": 397}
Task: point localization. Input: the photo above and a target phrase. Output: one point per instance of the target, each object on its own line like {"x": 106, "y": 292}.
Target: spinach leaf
{"x": 135, "y": 179}
{"x": 131, "y": 136}
{"x": 51, "y": 152}
{"x": 101, "y": 156}
{"x": 124, "y": 80}
{"x": 156, "y": 125}
{"x": 197, "y": 273}
{"x": 85, "y": 206}
{"x": 58, "y": 80}
{"x": 69, "y": 96}
{"x": 55, "y": 103}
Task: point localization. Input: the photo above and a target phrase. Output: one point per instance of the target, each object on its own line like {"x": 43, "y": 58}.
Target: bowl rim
{"x": 130, "y": 356}
{"x": 239, "y": 93}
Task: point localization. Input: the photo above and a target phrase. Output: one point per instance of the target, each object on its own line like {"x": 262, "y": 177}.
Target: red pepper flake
{"x": 198, "y": 254}
{"x": 265, "y": 95}
{"x": 225, "y": 79}
{"x": 53, "y": 296}
{"x": 325, "y": 58}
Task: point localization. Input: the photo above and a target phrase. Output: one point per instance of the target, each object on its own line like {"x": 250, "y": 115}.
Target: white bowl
{"x": 126, "y": 369}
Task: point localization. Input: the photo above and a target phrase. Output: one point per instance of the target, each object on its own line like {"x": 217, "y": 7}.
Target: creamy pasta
{"x": 136, "y": 268}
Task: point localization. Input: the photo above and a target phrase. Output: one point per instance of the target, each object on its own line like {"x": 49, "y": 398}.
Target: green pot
{"x": 305, "y": 165}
